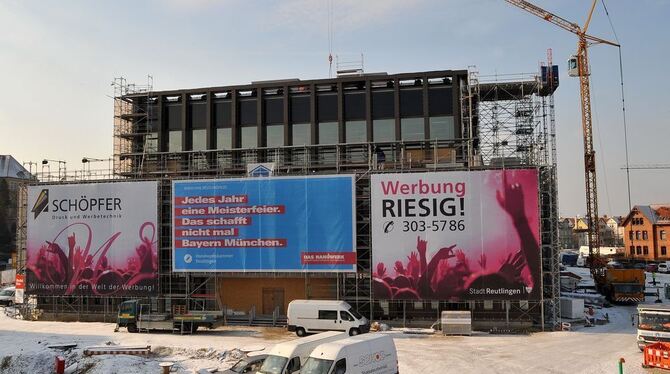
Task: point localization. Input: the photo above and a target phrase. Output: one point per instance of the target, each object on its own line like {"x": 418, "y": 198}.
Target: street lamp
{"x": 89, "y": 160}
{"x": 61, "y": 167}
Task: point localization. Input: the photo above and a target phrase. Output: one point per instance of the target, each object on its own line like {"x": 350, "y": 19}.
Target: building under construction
{"x": 422, "y": 122}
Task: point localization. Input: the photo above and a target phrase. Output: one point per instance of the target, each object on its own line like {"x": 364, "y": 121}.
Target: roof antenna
{"x": 330, "y": 38}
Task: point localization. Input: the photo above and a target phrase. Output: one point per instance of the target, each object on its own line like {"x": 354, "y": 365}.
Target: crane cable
{"x": 623, "y": 103}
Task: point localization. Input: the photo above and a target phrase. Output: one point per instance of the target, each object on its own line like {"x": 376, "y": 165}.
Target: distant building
{"x": 12, "y": 176}
{"x": 646, "y": 230}
{"x": 566, "y": 233}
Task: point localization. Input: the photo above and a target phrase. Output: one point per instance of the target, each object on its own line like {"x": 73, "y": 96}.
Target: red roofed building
{"x": 646, "y": 232}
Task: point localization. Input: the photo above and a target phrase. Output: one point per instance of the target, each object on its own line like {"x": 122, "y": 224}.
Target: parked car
{"x": 249, "y": 364}
{"x": 7, "y": 296}
{"x": 639, "y": 265}
{"x": 311, "y": 316}
{"x": 615, "y": 265}
{"x": 662, "y": 267}
{"x": 651, "y": 267}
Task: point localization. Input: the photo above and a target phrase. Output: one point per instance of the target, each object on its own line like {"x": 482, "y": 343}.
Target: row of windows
{"x": 645, "y": 250}
{"x": 637, "y": 221}
{"x": 441, "y": 128}
{"x": 645, "y": 236}
{"x": 382, "y": 106}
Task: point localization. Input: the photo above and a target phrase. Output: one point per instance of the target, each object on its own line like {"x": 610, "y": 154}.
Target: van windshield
{"x": 273, "y": 365}
{"x": 355, "y": 313}
{"x": 316, "y": 366}
{"x": 7, "y": 292}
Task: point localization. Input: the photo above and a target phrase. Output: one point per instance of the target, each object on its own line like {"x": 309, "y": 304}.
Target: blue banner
{"x": 277, "y": 224}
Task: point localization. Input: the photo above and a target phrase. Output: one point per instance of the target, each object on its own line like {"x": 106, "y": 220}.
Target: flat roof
{"x": 294, "y": 82}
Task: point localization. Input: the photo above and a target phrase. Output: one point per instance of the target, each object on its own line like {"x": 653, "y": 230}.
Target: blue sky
{"x": 59, "y": 58}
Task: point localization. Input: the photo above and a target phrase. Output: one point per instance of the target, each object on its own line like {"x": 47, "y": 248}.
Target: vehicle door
{"x": 347, "y": 320}
{"x": 329, "y": 320}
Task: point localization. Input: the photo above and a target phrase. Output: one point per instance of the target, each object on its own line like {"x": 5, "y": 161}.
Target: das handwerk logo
{"x": 41, "y": 203}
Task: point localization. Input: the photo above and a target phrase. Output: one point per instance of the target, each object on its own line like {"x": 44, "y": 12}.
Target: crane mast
{"x": 582, "y": 62}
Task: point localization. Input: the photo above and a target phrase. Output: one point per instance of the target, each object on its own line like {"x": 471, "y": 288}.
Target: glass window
{"x": 199, "y": 140}
{"x": 354, "y": 105}
{"x": 637, "y": 235}
{"x": 664, "y": 250}
{"x": 440, "y": 102}
{"x": 383, "y": 105}
{"x": 326, "y": 107}
{"x": 344, "y": 316}
{"x": 411, "y": 102}
{"x": 662, "y": 235}
{"x": 249, "y": 137}
{"x": 355, "y": 313}
{"x": 224, "y": 138}
{"x": 174, "y": 116}
{"x": 356, "y": 132}
{"x": 442, "y": 127}
{"x": 645, "y": 236}
{"x": 328, "y": 314}
{"x": 340, "y": 366}
{"x": 316, "y": 366}
{"x": 151, "y": 144}
{"x": 222, "y": 113}
{"x": 274, "y": 135}
{"x": 300, "y": 111}
{"x": 383, "y": 130}
{"x": 274, "y": 110}
{"x": 199, "y": 115}
{"x": 174, "y": 144}
{"x": 638, "y": 249}
{"x": 274, "y": 364}
{"x": 328, "y": 133}
{"x": 248, "y": 112}
{"x": 412, "y": 129}
{"x": 302, "y": 134}
{"x": 645, "y": 249}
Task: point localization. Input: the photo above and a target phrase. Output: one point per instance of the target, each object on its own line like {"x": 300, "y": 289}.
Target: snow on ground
{"x": 584, "y": 350}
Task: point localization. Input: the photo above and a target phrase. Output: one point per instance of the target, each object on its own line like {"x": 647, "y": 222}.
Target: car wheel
{"x": 354, "y": 332}
{"x": 132, "y": 328}
{"x": 300, "y": 332}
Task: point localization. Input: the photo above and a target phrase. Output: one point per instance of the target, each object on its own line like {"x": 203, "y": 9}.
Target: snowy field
{"x": 584, "y": 350}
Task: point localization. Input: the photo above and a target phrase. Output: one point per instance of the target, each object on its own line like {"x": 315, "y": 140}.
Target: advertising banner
{"x": 92, "y": 239}
{"x": 456, "y": 235}
{"x": 276, "y": 224}
{"x": 19, "y": 288}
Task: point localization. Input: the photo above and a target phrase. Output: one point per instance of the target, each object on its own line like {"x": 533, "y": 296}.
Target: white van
{"x": 311, "y": 316}
{"x": 288, "y": 357}
{"x": 370, "y": 353}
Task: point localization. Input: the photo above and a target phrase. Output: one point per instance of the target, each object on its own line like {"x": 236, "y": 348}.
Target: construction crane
{"x": 578, "y": 65}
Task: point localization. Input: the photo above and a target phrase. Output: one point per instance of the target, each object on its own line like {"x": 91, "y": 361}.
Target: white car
{"x": 663, "y": 267}
{"x": 7, "y": 296}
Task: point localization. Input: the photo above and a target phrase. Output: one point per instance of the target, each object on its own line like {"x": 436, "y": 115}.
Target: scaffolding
{"x": 506, "y": 123}
{"x": 517, "y": 127}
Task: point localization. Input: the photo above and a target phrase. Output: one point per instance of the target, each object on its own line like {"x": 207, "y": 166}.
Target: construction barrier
{"x": 657, "y": 355}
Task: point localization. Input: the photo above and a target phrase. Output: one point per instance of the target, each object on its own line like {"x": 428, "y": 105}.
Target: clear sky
{"x": 57, "y": 60}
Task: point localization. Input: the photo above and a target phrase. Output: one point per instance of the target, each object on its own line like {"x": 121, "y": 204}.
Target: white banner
{"x": 455, "y": 235}
{"x": 97, "y": 238}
